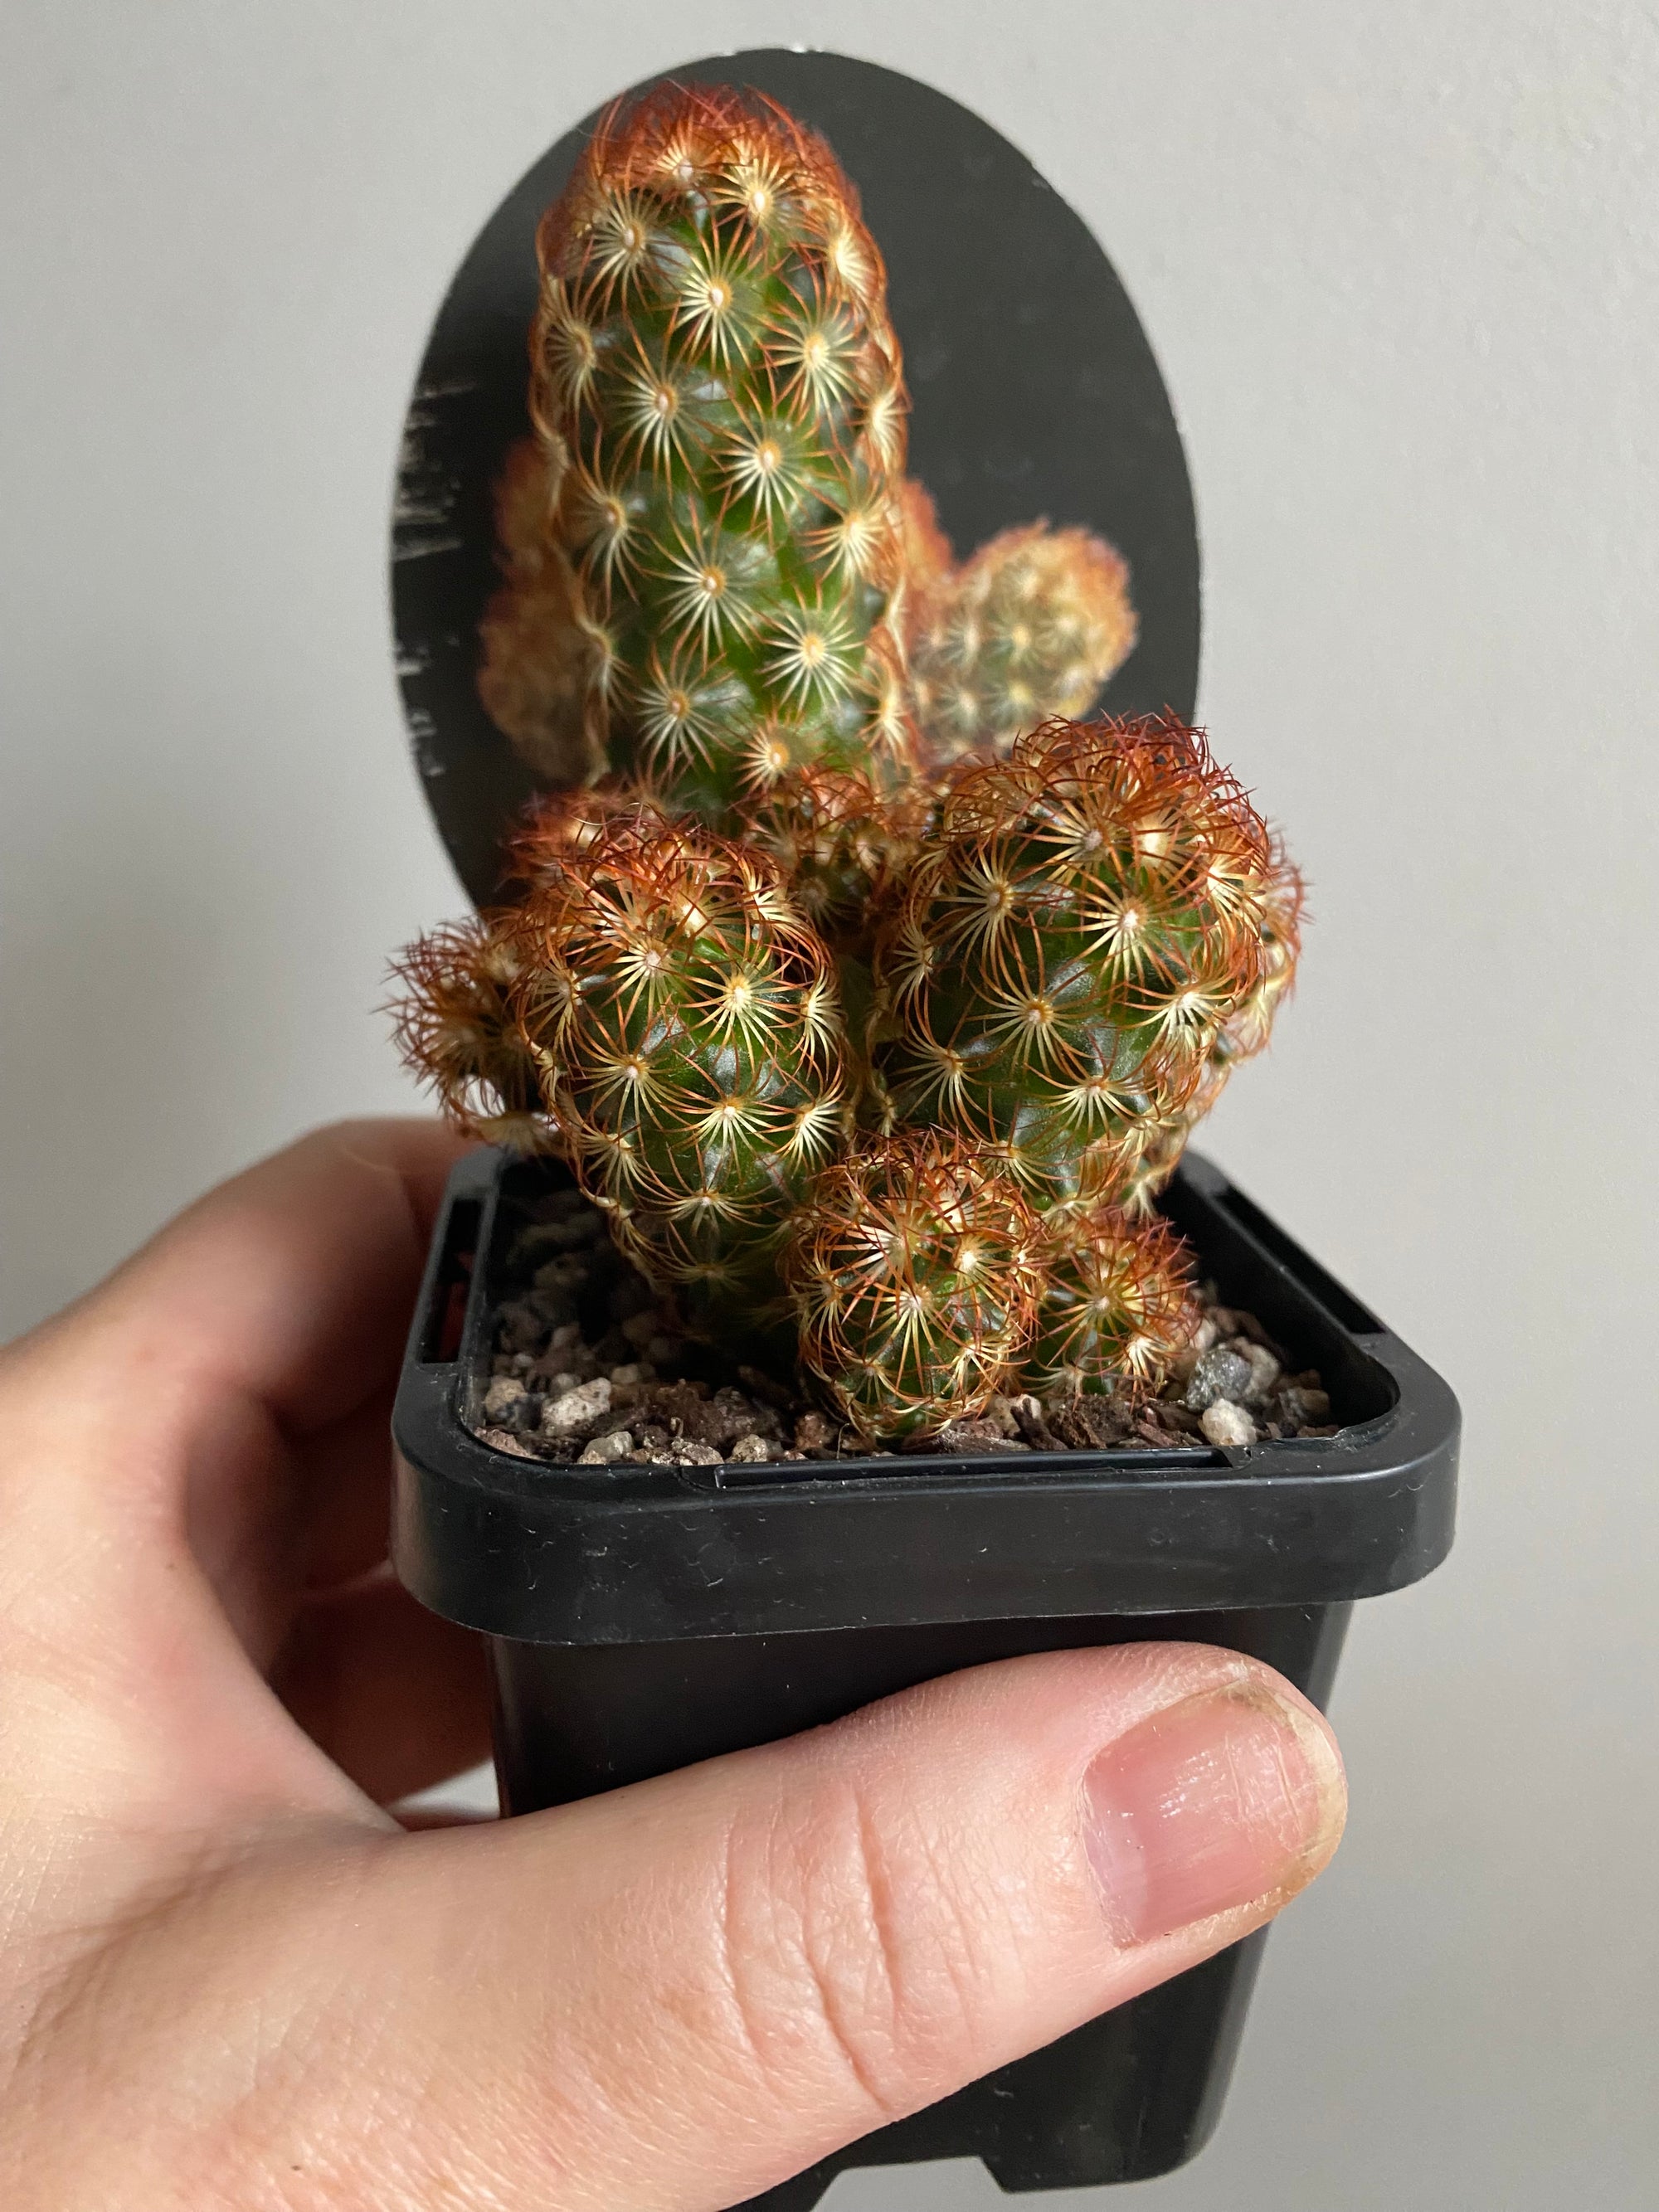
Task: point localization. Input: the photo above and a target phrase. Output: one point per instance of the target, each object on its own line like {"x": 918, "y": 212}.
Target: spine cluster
{"x": 870, "y": 991}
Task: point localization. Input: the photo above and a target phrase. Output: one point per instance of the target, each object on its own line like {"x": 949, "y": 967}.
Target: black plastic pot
{"x": 642, "y": 1618}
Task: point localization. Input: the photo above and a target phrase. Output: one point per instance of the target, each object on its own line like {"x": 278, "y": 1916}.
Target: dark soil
{"x": 588, "y": 1366}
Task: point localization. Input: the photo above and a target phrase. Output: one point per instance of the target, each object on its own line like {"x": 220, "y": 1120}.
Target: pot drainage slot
{"x": 446, "y": 1311}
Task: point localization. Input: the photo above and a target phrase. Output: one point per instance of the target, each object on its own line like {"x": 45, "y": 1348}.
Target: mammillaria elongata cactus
{"x": 1086, "y": 918}
{"x": 915, "y": 1277}
{"x": 907, "y": 1055}
{"x": 721, "y": 414}
{"x": 1029, "y": 629}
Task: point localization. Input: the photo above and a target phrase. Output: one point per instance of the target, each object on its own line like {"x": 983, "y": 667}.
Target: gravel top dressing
{"x": 587, "y": 1367}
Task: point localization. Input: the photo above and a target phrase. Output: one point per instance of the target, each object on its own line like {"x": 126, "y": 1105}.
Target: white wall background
{"x": 1401, "y": 265}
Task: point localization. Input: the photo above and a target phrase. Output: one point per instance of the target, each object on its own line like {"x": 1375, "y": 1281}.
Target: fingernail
{"x": 1228, "y": 1797}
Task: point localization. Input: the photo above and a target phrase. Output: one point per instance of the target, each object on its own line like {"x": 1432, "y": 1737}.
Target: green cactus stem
{"x": 1117, "y": 1303}
{"x": 911, "y": 1271}
{"x": 1087, "y": 918}
{"x": 719, "y": 398}
{"x": 1030, "y": 628}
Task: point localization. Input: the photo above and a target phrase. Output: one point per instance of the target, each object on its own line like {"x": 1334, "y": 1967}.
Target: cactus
{"x": 686, "y": 1018}
{"x": 457, "y": 1028}
{"x": 720, "y": 408}
{"x": 1243, "y": 1035}
{"x": 538, "y": 661}
{"x": 911, "y": 1272}
{"x": 902, "y": 1061}
{"x": 1027, "y": 629}
{"x": 1071, "y": 943}
{"x": 844, "y": 844}
{"x": 1117, "y": 1303}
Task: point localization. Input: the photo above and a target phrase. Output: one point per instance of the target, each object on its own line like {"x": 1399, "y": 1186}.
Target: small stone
{"x": 576, "y": 1409}
{"x": 1031, "y": 1422}
{"x": 1001, "y": 1415}
{"x": 1090, "y": 1424}
{"x": 504, "y": 1440}
{"x": 728, "y": 1418}
{"x": 1181, "y": 1366}
{"x": 569, "y": 1333}
{"x": 751, "y": 1450}
{"x": 626, "y": 1372}
{"x": 1218, "y": 1374}
{"x": 504, "y": 1401}
{"x": 1227, "y": 1425}
{"x": 1265, "y": 1372}
{"x": 522, "y": 1328}
{"x": 607, "y": 1450}
{"x": 811, "y": 1433}
{"x": 1301, "y": 1406}
{"x": 969, "y": 1439}
{"x": 688, "y": 1452}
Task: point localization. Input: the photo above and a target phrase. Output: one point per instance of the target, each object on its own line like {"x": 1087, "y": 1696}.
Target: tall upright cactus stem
{"x": 721, "y": 409}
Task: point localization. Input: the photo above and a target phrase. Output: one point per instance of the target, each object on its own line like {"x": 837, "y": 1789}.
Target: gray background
{"x": 1401, "y": 264}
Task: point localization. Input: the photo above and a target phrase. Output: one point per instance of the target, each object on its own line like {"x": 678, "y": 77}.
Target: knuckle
{"x": 850, "y": 1955}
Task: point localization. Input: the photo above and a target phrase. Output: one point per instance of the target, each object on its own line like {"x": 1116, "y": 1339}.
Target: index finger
{"x": 290, "y": 1285}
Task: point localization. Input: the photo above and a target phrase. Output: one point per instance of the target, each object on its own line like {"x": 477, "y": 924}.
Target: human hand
{"x": 229, "y": 1979}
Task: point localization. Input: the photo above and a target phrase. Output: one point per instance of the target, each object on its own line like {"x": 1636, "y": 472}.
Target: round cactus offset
{"x": 912, "y": 1271}
{"x": 688, "y": 1016}
{"x": 1117, "y": 1303}
{"x": 1029, "y": 629}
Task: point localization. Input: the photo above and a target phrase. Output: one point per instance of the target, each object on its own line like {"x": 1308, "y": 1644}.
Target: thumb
{"x": 669, "y": 1998}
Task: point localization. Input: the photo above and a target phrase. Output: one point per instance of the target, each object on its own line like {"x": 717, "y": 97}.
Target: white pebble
{"x": 607, "y": 1450}
{"x": 1265, "y": 1371}
{"x": 576, "y": 1409}
{"x": 629, "y": 1371}
{"x": 751, "y": 1450}
{"x": 685, "y": 1452}
{"x": 564, "y": 1336}
{"x": 1225, "y": 1424}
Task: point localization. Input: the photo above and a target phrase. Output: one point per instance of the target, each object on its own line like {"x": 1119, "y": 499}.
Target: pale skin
{"x": 229, "y": 1978}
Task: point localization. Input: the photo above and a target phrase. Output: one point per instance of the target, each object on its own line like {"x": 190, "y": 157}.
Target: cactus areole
{"x": 870, "y": 987}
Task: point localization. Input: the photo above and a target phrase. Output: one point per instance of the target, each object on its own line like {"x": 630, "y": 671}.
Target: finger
{"x": 395, "y": 1696}
{"x": 197, "y": 1375}
{"x": 671, "y": 1998}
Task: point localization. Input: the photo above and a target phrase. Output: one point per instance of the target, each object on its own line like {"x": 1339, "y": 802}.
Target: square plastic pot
{"x": 642, "y": 1618}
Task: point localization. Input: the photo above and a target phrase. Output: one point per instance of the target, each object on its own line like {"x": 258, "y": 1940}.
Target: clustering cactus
{"x": 914, "y": 1279}
{"x": 1083, "y": 922}
{"x": 894, "y": 1056}
{"x": 1030, "y": 628}
{"x": 1116, "y": 1302}
{"x": 720, "y": 410}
